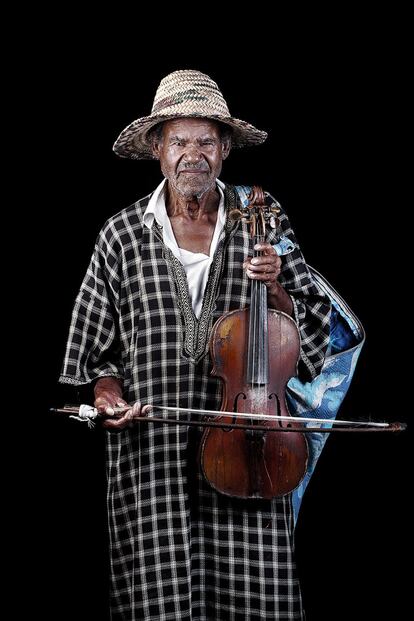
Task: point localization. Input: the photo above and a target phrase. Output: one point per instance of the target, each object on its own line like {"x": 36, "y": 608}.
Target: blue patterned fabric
{"x": 322, "y": 397}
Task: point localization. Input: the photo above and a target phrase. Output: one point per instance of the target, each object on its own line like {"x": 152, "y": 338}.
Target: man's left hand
{"x": 266, "y": 268}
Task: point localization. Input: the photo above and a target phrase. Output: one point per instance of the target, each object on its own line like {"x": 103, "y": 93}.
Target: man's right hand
{"x": 108, "y": 395}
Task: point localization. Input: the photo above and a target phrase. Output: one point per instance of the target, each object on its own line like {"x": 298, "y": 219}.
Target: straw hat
{"x": 184, "y": 94}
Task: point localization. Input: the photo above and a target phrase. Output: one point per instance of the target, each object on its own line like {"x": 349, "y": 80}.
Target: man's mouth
{"x": 193, "y": 171}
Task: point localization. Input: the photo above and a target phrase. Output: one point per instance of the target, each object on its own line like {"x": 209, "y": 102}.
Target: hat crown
{"x": 189, "y": 92}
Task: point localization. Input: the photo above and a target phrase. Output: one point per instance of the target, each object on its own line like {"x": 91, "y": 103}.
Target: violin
{"x": 255, "y": 351}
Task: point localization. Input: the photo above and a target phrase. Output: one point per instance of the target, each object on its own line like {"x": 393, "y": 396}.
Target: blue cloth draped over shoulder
{"x": 323, "y": 396}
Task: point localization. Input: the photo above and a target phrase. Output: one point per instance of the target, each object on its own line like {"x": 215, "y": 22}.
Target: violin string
{"x": 256, "y": 389}
{"x": 263, "y": 306}
{"x": 259, "y": 329}
{"x": 257, "y": 332}
{"x": 253, "y": 328}
{"x": 265, "y": 341}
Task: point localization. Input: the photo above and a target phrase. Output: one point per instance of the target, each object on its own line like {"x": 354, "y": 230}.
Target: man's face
{"x": 191, "y": 153}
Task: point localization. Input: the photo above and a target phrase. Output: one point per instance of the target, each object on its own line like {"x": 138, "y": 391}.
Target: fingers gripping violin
{"x": 255, "y": 352}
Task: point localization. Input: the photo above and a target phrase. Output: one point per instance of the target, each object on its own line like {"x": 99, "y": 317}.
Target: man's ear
{"x": 225, "y": 149}
{"x": 155, "y": 149}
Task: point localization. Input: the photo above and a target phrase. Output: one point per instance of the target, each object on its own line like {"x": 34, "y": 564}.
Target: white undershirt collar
{"x": 196, "y": 264}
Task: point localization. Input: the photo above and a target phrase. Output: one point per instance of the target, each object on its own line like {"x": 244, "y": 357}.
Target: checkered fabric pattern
{"x": 179, "y": 550}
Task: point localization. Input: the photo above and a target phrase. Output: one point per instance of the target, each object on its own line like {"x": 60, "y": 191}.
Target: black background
{"x": 334, "y": 107}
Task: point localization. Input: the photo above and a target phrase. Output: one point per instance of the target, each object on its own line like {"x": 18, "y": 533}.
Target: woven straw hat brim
{"x": 133, "y": 142}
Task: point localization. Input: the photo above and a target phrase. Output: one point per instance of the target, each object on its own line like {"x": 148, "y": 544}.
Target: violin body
{"x": 255, "y": 352}
{"x": 254, "y": 464}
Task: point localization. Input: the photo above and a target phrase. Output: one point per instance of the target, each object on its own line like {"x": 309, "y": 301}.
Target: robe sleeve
{"x": 93, "y": 346}
{"x": 311, "y": 306}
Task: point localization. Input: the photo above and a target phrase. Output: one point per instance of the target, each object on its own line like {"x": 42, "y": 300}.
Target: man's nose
{"x": 192, "y": 154}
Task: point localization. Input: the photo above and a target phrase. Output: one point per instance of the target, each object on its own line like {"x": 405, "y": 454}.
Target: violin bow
{"x": 90, "y": 414}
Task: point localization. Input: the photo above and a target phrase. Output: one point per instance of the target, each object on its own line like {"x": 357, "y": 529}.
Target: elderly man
{"x": 163, "y": 270}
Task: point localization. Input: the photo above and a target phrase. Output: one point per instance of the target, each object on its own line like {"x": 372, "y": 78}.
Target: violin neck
{"x": 258, "y": 347}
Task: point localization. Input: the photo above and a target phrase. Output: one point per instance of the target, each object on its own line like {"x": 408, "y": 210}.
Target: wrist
{"x": 279, "y": 300}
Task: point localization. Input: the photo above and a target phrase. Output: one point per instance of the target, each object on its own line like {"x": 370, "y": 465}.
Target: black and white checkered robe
{"x": 179, "y": 550}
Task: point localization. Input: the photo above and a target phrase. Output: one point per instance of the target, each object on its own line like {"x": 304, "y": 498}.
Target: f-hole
{"x": 241, "y": 395}
{"x": 278, "y": 412}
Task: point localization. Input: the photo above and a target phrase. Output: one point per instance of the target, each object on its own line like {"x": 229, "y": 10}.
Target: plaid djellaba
{"x": 178, "y": 549}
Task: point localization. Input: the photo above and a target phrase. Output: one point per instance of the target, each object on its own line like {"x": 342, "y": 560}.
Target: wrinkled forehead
{"x": 190, "y": 127}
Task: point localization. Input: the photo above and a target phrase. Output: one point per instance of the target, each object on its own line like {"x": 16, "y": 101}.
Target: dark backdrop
{"x": 332, "y": 113}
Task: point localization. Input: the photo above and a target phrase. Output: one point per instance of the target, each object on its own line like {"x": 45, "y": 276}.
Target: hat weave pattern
{"x": 184, "y": 94}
